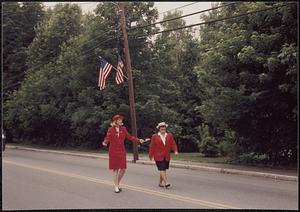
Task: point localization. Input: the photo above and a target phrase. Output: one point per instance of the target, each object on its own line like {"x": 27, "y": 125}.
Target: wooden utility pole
{"x": 130, "y": 82}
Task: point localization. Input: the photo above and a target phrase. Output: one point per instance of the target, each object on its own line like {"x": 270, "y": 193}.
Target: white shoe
{"x": 117, "y": 190}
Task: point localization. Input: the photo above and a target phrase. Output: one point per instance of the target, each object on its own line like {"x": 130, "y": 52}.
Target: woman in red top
{"x": 115, "y": 137}
{"x": 161, "y": 144}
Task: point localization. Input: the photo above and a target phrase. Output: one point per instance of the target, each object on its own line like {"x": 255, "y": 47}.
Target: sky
{"x": 161, "y": 7}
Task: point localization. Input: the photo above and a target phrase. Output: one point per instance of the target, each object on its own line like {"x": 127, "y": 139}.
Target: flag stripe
{"x": 100, "y": 76}
{"x": 105, "y": 69}
{"x": 119, "y": 76}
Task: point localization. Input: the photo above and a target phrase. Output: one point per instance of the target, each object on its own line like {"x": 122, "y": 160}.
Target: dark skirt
{"x": 162, "y": 165}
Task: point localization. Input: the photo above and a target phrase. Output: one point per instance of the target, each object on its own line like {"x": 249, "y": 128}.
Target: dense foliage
{"x": 18, "y": 25}
{"x": 232, "y": 92}
{"x": 248, "y": 72}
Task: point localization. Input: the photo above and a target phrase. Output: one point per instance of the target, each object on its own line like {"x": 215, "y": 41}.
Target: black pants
{"x": 162, "y": 165}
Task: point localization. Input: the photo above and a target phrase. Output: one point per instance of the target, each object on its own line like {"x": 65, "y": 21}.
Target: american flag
{"x": 104, "y": 71}
{"x": 119, "y": 76}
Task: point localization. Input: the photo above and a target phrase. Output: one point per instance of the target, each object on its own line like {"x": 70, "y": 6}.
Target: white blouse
{"x": 163, "y": 137}
{"x": 118, "y": 131}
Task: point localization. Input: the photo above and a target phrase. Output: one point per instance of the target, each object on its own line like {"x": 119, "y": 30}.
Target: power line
{"x": 88, "y": 41}
{"x": 178, "y": 7}
{"x": 80, "y": 45}
{"x": 106, "y": 33}
{"x": 16, "y": 76}
{"x": 189, "y": 26}
{"x": 44, "y": 6}
{"x": 99, "y": 44}
{"x": 213, "y": 21}
{"x": 11, "y": 86}
{"x": 41, "y": 65}
{"x": 90, "y": 54}
{"x": 190, "y": 14}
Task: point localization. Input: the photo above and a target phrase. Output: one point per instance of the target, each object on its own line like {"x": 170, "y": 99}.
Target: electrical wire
{"x": 43, "y": 6}
{"x": 106, "y": 33}
{"x": 178, "y": 7}
{"x": 99, "y": 44}
{"x": 213, "y": 21}
{"x": 183, "y": 16}
{"x": 175, "y": 29}
{"x": 11, "y": 86}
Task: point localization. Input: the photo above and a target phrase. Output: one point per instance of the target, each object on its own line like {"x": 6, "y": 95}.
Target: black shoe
{"x": 160, "y": 185}
{"x": 120, "y": 189}
{"x": 168, "y": 185}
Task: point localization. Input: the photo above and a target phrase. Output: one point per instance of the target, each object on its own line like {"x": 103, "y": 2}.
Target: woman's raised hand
{"x": 104, "y": 144}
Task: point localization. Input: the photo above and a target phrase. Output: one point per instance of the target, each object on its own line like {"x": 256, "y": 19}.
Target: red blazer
{"x": 159, "y": 150}
{"x": 116, "y": 143}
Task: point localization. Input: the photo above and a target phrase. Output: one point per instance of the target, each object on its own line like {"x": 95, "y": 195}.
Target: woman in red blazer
{"x": 115, "y": 137}
{"x": 161, "y": 144}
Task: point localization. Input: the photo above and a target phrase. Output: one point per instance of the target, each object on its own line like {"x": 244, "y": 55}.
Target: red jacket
{"x": 116, "y": 143}
{"x": 159, "y": 150}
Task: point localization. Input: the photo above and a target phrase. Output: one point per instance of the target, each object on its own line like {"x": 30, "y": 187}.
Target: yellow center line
{"x": 130, "y": 187}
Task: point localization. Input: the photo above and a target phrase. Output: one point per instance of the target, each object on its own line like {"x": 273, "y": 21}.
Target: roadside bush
{"x": 251, "y": 158}
{"x": 228, "y": 145}
{"x": 209, "y": 147}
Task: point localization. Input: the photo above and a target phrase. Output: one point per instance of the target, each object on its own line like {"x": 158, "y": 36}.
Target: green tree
{"x": 174, "y": 58}
{"x": 207, "y": 144}
{"x": 19, "y": 20}
{"x": 51, "y": 33}
{"x": 248, "y": 86}
{"x": 34, "y": 111}
{"x": 60, "y": 102}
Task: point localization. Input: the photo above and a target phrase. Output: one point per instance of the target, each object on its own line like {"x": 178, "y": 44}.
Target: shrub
{"x": 207, "y": 144}
{"x": 229, "y": 146}
{"x": 209, "y": 147}
{"x": 251, "y": 158}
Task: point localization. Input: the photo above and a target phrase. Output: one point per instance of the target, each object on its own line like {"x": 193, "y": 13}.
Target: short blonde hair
{"x": 113, "y": 123}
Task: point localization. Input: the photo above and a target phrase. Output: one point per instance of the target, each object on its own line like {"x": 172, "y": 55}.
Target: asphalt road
{"x": 35, "y": 180}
